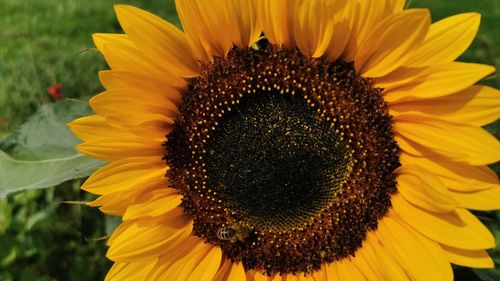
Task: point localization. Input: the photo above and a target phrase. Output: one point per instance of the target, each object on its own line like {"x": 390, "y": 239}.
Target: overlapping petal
{"x": 94, "y": 126}
{"x": 313, "y": 25}
{"x": 116, "y": 79}
{"x": 459, "y": 229}
{"x": 438, "y": 81}
{"x": 161, "y": 40}
{"x": 121, "y": 54}
{"x": 192, "y": 260}
{"x": 416, "y": 254}
{"x": 143, "y": 238}
{"x": 153, "y": 204}
{"x": 484, "y": 200}
{"x": 458, "y": 142}
{"x": 365, "y": 16}
{"x": 470, "y": 258}
{"x": 476, "y": 105}
{"x": 126, "y": 174}
{"x": 388, "y": 45}
{"x": 203, "y": 22}
{"x": 136, "y": 270}
{"x": 424, "y": 190}
{"x": 230, "y": 271}
{"x": 437, "y": 113}
{"x": 446, "y": 40}
{"x": 455, "y": 175}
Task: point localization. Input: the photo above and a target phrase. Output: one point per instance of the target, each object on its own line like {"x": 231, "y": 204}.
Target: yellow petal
{"x": 116, "y": 203}
{"x": 194, "y": 260}
{"x": 237, "y": 18}
{"x": 115, "y": 79}
{"x": 230, "y": 271}
{"x": 476, "y": 105}
{"x": 101, "y": 40}
{"x": 245, "y": 24}
{"x": 447, "y": 39}
{"x": 112, "y": 148}
{"x": 204, "y": 266}
{"x": 126, "y": 174}
{"x": 140, "y": 101}
{"x": 366, "y": 269}
{"x": 459, "y": 229}
{"x": 276, "y": 18}
{"x": 331, "y": 271}
{"x": 275, "y": 277}
{"x": 412, "y": 148}
{"x": 156, "y": 203}
{"x": 389, "y": 44}
{"x": 121, "y": 54}
{"x": 313, "y": 26}
{"x": 168, "y": 264}
{"x": 378, "y": 256}
{"x": 94, "y": 126}
{"x": 484, "y": 200}
{"x": 113, "y": 204}
{"x": 320, "y": 275}
{"x": 476, "y": 259}
{"x": 397, "y": 5}
{"x": 254, "y": 275}
{"x": 424, "y": 190}
{"x": 401, "y": 77}
{"x": 459, "y": 142}
{"x": 289, "y": 277}
{"x": 151, "y": 115}
{"x": 342, "y": 21}
{"x": 454, "y": 175}
{"x": 416, "y": 254}
{"x": 203, "y": 22}
{"x": 136, "y": 270}
{"x": 374, "y": 12}
{"x": 161, "y": 40}
{"x": 149, "y": 237}
{"x": 154, "y": 126}
{"x": 366, "y": 15}
{"x": 347, "y": 271}
{"x": 439, "y": 81}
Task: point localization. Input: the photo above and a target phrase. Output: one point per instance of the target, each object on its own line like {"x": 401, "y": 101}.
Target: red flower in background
{"x": 55, "y": 91}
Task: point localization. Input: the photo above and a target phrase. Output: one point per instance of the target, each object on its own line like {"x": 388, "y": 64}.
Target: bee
{"x": 233, "y": 233}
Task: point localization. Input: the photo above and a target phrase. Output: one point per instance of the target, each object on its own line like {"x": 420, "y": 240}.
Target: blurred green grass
{"x": 43, "y": 43}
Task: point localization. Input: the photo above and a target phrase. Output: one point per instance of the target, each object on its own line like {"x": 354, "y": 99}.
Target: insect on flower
{"x": 233, "y": 233}
{"x": 315, "y": 139}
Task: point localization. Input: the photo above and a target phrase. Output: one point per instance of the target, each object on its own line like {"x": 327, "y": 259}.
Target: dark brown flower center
{"x": 274, "y": 161}
{"x": 284, "y": 161}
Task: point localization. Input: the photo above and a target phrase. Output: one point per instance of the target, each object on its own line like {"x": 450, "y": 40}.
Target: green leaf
{"x": 487, "y": 274}
{"x": 111, "y": 224}
{"x": 42, "y": 215}
{"x": 41, "y": 153}
{"x": 5, "y": 215}
{"x": 9, "y": 259}
{"x": 46, "y": 134}
{"x": 474, "y": 274}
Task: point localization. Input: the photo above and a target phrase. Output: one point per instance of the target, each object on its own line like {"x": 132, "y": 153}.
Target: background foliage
{"x": 44, "y": 42}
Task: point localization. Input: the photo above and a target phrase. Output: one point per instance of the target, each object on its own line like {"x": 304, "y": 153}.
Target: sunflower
{"x": 293, "y": 140}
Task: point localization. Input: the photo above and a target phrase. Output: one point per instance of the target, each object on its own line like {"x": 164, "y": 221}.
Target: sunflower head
{"x": 282, "y": 157}
{"x": 289, "y": 140}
